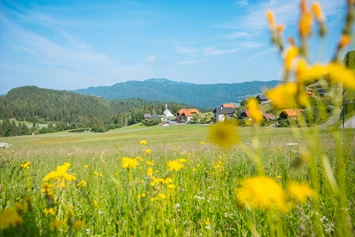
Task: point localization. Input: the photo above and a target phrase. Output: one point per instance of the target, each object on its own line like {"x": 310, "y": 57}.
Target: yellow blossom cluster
{"x": 60, "y": 174}
{"x": 129, "y": 163}
{"x": 9, "y": 218}
{"x": 175, "y": 164}
{"x": 223, "y": 134}
{"x": 26, "y": 165}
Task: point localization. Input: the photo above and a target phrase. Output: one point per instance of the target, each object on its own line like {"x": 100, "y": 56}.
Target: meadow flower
{"x": 271, "y": 19}
{"x": 78, "y": 224}
{"x": 149, "y": 163}
{"x": 56, "y": 224}
{"x": 317, "y": 11}
{"x": 86, "y": 166}
{"x": 167, "y": 180}
{"x": 128, "y": 163}
{"x": 255, "y": 113}
{"x": 223, "y": 134}
{"x": 50, "y": 211}
{"x": 143, "y": 142}
{"x": 82, "y": 183}
{"x": 150, "y": 171}
{"x": 344, "y": 41}
{"x": 261, "y": 193}
{"x": 300, "y": 192}
{"x": 305, "y": 24}
{"x": 96, "y": 173}
{"x": 162, "y": 196}
{"x": 148, "y": 151}
{"x": 290, "y": 54}
{"x": 338, "y": 73}
{"x": 202, "y": 143}
{"x": 10, "y": 217}
{"x": 285, "y": 96}
{"x": 26, "y": 165}
{"x": 139, "y": 158}
{"x": 174, "y": 165}
{"x": 171, "y": 186}
{"x": 60, "y": 174}
{"x": 182, "y": 160}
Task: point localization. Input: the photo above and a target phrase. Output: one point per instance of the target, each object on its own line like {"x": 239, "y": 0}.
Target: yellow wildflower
{"x": 182, "y": 160}
{"x": 56, "y": 225}
{"x": 344, "y": 41}
{"x": 315, "y": 72}
{"x": 82, "y": 183}
{"x": 60, "y": 173}
{"x": 86, "y": 166}
{"x": 261, "y": 192}
{"x": 78, "y": 224}
{"x": 338, "y": 73}
{"x": 290, "y": 54}
{"x": 202, "y": 143}
{"x": 223, "y": 134}
{"x": 301, "y": 70}
{"x": 128, "y": 163}
{"x": 305, "y": 24}
{"x": 162, "y": 196}
{"x": 174, "y": 165}
{"x": 271, "y": 19}
{"x": 144, "y": 195}
{"x": 143, "y": 142}
{"x": 94, "y": 203}
{"x": 150, "y": 172}
{"x": 207, "y": 222}
{"x": 255, "y": 113}
{"x": 171, "y": 186}
{"x": 70, "y": 213}
{"x": 150, "y": 163}
{"x": 285, "y": 96}
{"x": 300, "y": 192}
{"x": 96, "y": 173}
{"x": 317, "y": 11}
{"x": 167, "y": 180}
{"x": 139, "y": 158}
{"x": 10, "y": 217}
{"x": 61, "y": 185}
{"x": 49, "y": 211}
{"x": 26, "y": 165}
{"x": 148, "y": 151}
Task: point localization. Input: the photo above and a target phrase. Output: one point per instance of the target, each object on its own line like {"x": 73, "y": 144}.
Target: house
{"x": 186, "y": 114}
{"x": 246, "y": 115}
{"x": 230, "y": 105}
{"x": 262, "y": 99}
{"x": 319, "y": 88}
{"x": 222, "y": 113}
{"x": 310, "y": 92}
{"x": 291, "y": 114}
{"x": 147, "y": 117}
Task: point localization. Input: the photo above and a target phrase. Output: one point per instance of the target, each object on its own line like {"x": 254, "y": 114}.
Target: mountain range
{"x": 199, "y": 95}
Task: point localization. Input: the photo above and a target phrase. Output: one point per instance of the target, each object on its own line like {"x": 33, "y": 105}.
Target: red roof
{"x": 187, "y": 112}
{"x": 292, "y": 112}
{"x": 228, "y": 106}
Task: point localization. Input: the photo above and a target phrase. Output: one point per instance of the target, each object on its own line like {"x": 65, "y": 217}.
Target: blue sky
{"x": 71, "y": 44}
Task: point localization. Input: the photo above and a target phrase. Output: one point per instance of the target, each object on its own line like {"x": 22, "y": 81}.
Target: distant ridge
{"x": 199, "y": 95}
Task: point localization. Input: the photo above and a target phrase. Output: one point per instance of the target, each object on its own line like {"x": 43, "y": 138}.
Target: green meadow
{"x": 150, "y": 198}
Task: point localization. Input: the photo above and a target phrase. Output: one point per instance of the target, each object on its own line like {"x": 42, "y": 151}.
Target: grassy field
{"x": 199, "y": 194}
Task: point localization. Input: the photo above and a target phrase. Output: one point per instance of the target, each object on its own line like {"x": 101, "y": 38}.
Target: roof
{"x": 223, "y": 110}
{"x": 147, "y": 115}
{"x": 269, "y": 116}
{"x": 262, "y": 97}
{"x": 230, "y": 105}
{"x": 292, "y": 112}
{"x": 247, "y": 112}
{"x": 188, "y": 112}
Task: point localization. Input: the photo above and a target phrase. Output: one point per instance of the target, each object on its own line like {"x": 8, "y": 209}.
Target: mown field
{"x": 178, "y": 183}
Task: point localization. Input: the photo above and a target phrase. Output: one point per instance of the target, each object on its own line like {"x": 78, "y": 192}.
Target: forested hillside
{"x": 67, "y": 110}
{"x": 200, "y": 95}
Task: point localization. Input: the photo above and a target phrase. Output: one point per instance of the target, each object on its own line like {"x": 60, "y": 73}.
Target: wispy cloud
{"x": 188, "y": 62}
{"x": 286, "y": 12}
{"x": 151, "y": 59}
{"x": 241, "y": 3}
{"x": 267, "y": 51}
{"x": 215, "y": 51}
{"x": 250, "y": 44}
{"x": 236, "y": 35}
{"x": 185, "y": 50}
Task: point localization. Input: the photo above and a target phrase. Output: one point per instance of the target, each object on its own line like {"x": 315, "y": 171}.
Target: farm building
{"x": 291, "y": 114}
{"x": 185, "y": 115}
{"x": 222, "y": 113}
{"x": 262, "y": 99}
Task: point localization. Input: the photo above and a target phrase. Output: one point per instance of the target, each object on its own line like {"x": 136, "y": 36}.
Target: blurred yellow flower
{"x": 148, "y": 151}
{"x": 96, "y": 173}
{"x": 254, "y": 110}
{"x": 174, "y": 165}
{"x": 50, "y": 211}
{"x": 56, "y": 225}
{"x": 317, "y": 11}
{"x": 338, "y": 73}
{"x": 223, "y": 134}
{"x": 261, "y": 192}
{"x": 10, "y": 217}
{"x": 150, "y": 172}
{"x": 128, "y": 163}
{"x": 171, "y": 186}
{"x": 202, "y": 143}
{"x": 82, "y": 183}
{"x": 305, "y": 24}
{"x": 139, "y": 158}
{"x": 162, "y": 196}
{"x": 86, "y": 166}
{"x": 150, "y": 163}
{"x": 60, "y": 174}
{"x": 78, "y": 224}
{"x": 182, "y": 160}
{"x": 285, "y": 95}
{"x": 290, "y": 54}
{"x": 143, "y": 142}
{"x": 271, "y": 19}
{"x": 300, "y": 192}
{"x": 26, "y": 165}
{"x": 344, "y": 41}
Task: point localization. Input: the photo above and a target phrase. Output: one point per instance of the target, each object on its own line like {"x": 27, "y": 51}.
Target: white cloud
{"x": 151, "y": 59}
{"x": 249, "y": 44}
{"x": 188, "y": 62}
{"x": 260, "y": 54}
{"x": 184, "y": 50}
{"x": 214, "y": 51}
{"x": 286, "y": 12}
{"x": 235, "y": 35}
{"x": 241, "y": 3}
